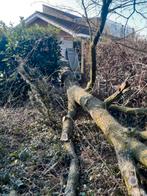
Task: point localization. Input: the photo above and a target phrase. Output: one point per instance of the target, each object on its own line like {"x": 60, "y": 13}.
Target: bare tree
{"x": 104, "y": 8}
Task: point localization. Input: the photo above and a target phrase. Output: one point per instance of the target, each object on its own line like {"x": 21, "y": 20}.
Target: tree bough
{"x": 126, "y": 146}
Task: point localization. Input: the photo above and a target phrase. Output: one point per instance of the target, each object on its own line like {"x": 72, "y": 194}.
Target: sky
{"x": 11, "y": 10}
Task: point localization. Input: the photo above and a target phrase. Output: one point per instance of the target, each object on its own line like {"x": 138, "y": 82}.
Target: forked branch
{"x": 127, "y": 147}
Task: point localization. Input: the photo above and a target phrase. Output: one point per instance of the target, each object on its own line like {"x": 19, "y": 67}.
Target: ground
{"x": 33, "y": 161}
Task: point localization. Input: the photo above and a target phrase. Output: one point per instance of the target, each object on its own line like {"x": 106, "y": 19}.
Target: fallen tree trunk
{"x": 127, "y": 148}
{"x": 114, "y": 132}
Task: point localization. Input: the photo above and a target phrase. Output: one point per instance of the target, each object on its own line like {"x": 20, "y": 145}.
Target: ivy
{"x": 39, "y": 46}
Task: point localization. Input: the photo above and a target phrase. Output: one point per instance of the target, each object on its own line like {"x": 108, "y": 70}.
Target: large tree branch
{"x": 128, "y": 172}
{"x": 141, "y": 134}
{"x": 67, "y": 131}
{"x": 125, "y": 146}
{"x": 73, "y": 176}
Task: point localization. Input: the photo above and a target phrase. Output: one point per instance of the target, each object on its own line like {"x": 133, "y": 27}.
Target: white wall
{"x": 65, "y": 44}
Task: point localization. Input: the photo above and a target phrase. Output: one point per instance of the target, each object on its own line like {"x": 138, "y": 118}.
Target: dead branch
{"x": 130, "y": 47}
{"x": 128, "y": 110}
{"x": 141, "y": 134}
{"x": 67, "y": 126}
{"x": 68, "y": 145}
{"x": 127, "y": 148}
{"x": 121, "y": 90}
{"x": 73, "y": 175}
{"x": 67, "y": 131}
{"x": 39, "y": 88}
{"x": 128, "y": 171}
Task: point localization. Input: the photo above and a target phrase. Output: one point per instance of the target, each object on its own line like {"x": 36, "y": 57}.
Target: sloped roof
{"x": 72, "y": 28}
{"x": 72, "y": 16}
{"x": 75, "y": 27}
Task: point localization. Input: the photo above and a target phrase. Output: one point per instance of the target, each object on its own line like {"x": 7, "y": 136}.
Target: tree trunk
{"x": 126, "y": 147}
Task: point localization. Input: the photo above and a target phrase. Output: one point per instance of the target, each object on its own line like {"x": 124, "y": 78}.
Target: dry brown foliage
{"x": 116, "y": 63}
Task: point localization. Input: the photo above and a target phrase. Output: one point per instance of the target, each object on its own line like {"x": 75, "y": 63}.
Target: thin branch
{"x": 132, "y": 48}
{"x": 134, "y": 10}
{"x": 128, "y": 110}
{"x": 87, "y": 19}
{"x": 141, "y": 14}
{"x": 119, "y": 14}
{"x": 127, "y": 5}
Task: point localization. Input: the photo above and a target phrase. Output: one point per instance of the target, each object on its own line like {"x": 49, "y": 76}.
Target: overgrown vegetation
{"x": 116, "y": 63}
{"x": 34, "y": 162}
{"x": 38, "y": 45}
{"x": 34, "y": 157}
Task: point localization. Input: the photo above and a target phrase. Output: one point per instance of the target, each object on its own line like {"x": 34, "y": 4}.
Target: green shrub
{"x": 37, "y": 45}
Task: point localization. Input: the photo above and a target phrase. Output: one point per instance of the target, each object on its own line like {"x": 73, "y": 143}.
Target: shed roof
{"x": 72, "y": 16}
{"x": 73, "y": 28}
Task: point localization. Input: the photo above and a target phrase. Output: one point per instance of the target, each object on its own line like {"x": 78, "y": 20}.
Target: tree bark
{"x": 126, "y": 147}
{"x": 66, "y": 138}
{"x": 128, "y": 110}
{"x": 103, "y": 18}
